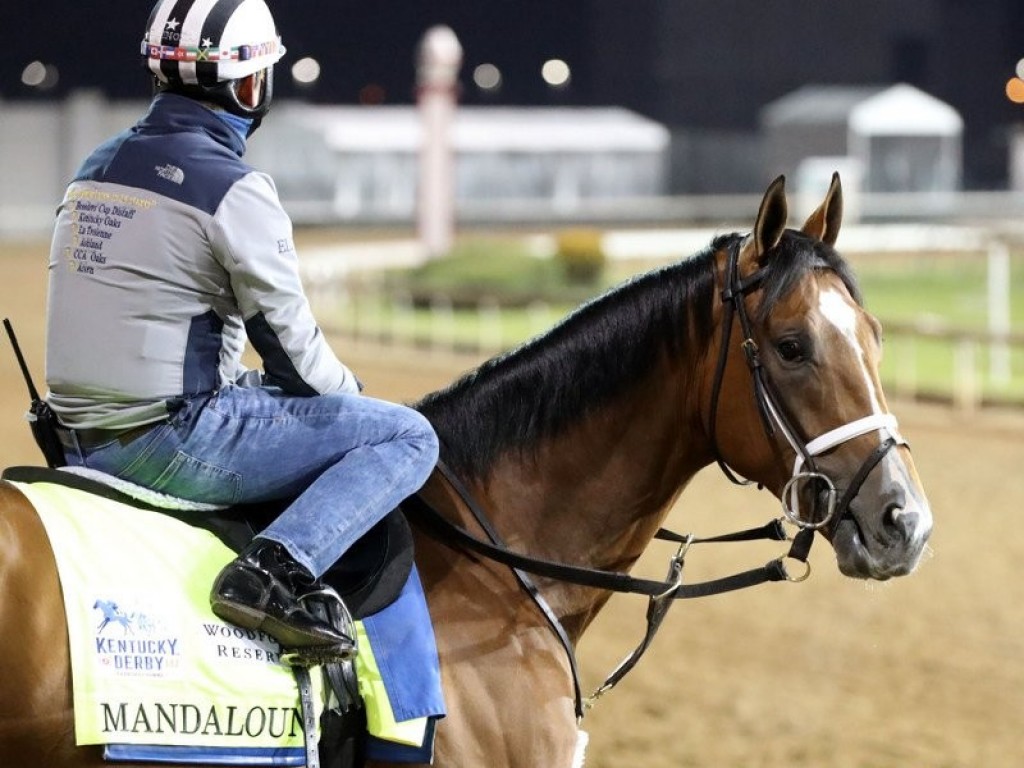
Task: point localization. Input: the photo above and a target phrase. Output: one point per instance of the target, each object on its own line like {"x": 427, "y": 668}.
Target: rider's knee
{"x": 420, "y": 435}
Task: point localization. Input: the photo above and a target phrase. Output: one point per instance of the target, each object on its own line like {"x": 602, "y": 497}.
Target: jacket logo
{"x": 170, "y": 173}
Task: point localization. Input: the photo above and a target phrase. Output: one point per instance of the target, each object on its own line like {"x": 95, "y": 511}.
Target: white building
{"x": 361, "y": 163}
{"x": 895, "y": 138}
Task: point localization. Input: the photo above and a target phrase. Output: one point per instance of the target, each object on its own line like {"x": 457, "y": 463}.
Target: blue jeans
{"x": 346, "y": 459}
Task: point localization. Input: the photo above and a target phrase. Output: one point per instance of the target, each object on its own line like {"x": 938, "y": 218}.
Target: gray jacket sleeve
{"x": 251, "y": 235}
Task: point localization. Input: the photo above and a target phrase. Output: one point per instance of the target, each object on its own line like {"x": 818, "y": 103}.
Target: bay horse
{"x": 756, "y": 353}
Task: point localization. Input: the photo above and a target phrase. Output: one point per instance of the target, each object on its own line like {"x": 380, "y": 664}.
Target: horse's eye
{"x": 791, "y": 350}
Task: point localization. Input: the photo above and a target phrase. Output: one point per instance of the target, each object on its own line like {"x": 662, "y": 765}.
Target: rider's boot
{"x": 261, "y": 589}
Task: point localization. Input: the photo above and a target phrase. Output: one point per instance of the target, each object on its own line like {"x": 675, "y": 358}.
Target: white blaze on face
{"x": 838, "y": 311}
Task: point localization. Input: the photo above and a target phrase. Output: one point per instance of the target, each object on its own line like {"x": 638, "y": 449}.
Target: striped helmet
{"x": 199, "y": 47}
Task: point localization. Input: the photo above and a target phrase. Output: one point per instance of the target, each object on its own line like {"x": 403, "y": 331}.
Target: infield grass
{"x": 940, "y": 296}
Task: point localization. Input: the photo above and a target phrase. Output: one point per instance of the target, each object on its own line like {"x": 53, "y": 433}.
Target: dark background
{"x": 695, "y": 65}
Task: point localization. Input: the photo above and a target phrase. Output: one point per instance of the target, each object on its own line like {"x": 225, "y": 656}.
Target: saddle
{"x": 368, "y": 577}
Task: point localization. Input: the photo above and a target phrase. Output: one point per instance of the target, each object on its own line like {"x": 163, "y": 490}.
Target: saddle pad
{"x": 141, "y": 493}
{"x": 152, "y": 665}
{"x": 148, "y": 666}
{"x": 369, "y": 576}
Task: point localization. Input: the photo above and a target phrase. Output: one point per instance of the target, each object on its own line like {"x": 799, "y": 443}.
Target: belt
{"x": 91, "y": 438}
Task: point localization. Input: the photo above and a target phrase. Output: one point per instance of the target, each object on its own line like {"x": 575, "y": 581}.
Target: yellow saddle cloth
{"x": 151, "y": 664}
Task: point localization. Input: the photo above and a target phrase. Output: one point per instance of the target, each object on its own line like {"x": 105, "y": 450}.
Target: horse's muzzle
{"x": 893, "y": 548}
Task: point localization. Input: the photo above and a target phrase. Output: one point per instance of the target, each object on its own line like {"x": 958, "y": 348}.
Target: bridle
{"x": 662, "y": 594}
{"x": 830, "y": 508}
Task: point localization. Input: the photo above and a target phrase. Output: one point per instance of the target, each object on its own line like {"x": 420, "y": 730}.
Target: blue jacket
{"x": 168, "y": 252}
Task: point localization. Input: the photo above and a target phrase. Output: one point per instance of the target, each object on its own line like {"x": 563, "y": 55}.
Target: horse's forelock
{"x": 796, "y": 255}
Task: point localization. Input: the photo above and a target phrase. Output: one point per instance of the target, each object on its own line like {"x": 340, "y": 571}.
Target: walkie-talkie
{"x": 41, "y": 418}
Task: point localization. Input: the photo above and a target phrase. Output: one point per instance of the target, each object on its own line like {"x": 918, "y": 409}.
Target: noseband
{"x": 773, "y": 416}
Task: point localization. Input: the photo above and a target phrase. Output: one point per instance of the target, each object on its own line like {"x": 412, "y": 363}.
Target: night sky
{"x": 706, "y": 65}
{"x": 358, "y": 44}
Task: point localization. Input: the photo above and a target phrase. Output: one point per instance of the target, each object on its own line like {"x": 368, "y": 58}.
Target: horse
{"x": 112, "y": 614}
{"x": 756, "y": 353}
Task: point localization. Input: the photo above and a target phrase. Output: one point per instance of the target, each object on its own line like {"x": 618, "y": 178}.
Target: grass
{"x": 938, "y": 291}
{"x": 505, "y": 270}
{"x": 906, "y": 288}
{"x": 487, "y": 328}
{"x": 952, "y": 290}
{"x": 948, "y": 294}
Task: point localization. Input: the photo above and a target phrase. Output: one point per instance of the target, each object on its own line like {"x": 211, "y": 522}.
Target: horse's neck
{"x": 595, "y": 495}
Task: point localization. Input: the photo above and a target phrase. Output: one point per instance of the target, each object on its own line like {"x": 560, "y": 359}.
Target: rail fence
{"x": 923, "y": 360}
{"x": 973, "y": 369}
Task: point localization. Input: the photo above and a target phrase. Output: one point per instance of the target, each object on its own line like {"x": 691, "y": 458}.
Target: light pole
{"x": 437, "y": 68}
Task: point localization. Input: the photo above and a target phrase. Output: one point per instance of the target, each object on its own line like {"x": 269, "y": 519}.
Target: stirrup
{"x": 317, "y": 655}
{"x": 326, "y": 604}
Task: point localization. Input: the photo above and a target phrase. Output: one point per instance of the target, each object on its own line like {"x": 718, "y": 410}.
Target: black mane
{"x": 596, "y": 353}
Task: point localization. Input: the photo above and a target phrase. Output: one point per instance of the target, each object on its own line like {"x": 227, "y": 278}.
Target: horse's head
{"x": 814, "y": 428}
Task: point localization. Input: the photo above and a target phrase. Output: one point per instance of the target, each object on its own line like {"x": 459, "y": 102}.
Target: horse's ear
{"x": 824, "y": 223}
{"x": 771, "y": 217}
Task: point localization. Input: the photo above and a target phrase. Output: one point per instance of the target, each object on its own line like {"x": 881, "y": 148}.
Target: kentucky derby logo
{"x": 112, "y": 614}
{"x": 134, "y": 643}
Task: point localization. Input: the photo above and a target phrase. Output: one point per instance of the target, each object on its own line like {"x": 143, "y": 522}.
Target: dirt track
{"x": 923, "y": 672}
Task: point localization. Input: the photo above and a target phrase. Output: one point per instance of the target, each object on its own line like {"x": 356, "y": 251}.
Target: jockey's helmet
{"x": 202, "y": 48}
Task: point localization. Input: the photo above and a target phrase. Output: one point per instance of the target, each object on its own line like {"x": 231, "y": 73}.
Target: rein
{"x": 662, "y": 594}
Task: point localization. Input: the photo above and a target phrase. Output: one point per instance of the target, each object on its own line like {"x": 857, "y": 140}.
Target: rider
{"x": 168, "y": 252}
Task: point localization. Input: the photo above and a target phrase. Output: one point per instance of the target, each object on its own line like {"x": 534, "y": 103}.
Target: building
{"x": 703, "y": 68}
{"x": 706, "y": 69}
{"x": 361, "y": 164}
{"x": 889, "y": 139}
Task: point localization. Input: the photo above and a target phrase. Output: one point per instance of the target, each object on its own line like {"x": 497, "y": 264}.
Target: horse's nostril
{"x": 901, "y": 521}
